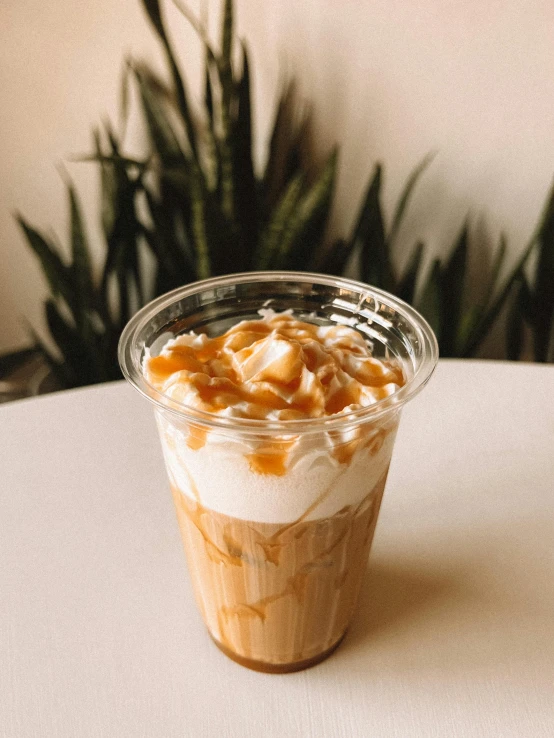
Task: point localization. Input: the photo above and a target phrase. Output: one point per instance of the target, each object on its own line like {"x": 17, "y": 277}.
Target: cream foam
{"x": 219, "y": 476}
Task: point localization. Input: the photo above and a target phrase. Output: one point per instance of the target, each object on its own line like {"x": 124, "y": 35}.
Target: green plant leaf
{"x": 468, "y": 323}
{"x": 208, "y": 90}
{"x": 225, "y": 61}
{"x": 153, "y": 11}
{"x": 369, "y": 237}
{"x": 514, "y": 322}
{"x": 226, "y": 166}
{"x": 164, "y": 239}
{"x": 335, "y": 259}
{"x": 107, "y": 185}
{"x": 303, "y": 232}
{"x": 272, "y": 235}
{"x": 543, "y": 287}
{"x": 12, "y": 360}
{"x": 471, "y": 319}
{"x": 406, "y": 287}
{"x": 81, "y": 270}
{"x": 55, "y": 271}
{"x": 211, "y": 154}
{"x": 430, "y": 303}
{"x": 406, "y": 195}
{"x": 278, "y": 174}
{"x": 494, "y": 306}
{"x": 79, "y": 361}
{"x": 497, "y": 265}
{"x": 227, "y": 184}
{"x": 123, "y": 232}
{"x": 161, "y": 131}
{"x": 140, "y": 165}
{"x": 198, "y": 225}
{"x": 245, "y": 181}
{"x": 124, "y": 97}
{"x": 453, "y": 280}
{"x": 62, "y": 375}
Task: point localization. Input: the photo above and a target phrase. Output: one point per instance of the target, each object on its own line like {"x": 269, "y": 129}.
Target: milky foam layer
{"x": 316, "y": 485}
{"x": 276, "y": 368}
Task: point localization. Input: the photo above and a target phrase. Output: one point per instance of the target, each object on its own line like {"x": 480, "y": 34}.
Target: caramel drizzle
{"x": 296, "y": 584}
{"x": 216, "y": 377}
{"x": 272, "y": 547}
{"x": 234, "y": 554}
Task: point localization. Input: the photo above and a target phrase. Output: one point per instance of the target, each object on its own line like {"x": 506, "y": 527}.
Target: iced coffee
{"x": 277, "y": 527}
{"x": 277, "y": 397}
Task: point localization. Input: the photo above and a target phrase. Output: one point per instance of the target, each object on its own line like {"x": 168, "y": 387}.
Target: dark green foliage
{"x": 201, "y": 209}
{"x": 534, "y": 302}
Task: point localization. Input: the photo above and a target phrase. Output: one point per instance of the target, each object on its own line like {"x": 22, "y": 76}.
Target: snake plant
{"x": 201, "y": 207}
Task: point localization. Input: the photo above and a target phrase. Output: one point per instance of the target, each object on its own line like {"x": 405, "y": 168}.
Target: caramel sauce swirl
{"x": 257, "y": 583}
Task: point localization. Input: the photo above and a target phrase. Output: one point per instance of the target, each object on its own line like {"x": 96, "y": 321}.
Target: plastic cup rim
{"x": 425, "y": 364}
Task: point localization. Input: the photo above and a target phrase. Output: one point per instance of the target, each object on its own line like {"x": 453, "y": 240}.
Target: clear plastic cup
{"x": 277, "y": 552}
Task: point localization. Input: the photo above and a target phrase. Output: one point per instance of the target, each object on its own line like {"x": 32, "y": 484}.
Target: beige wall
{"x": 389, "y": 79}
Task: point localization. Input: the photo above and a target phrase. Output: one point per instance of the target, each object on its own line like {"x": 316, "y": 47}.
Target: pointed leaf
{"x": 452, "y": 293}
{"x": 406, "y": 195}
{"x": 124, "y": 98}
{"x": 494, "y": 308}
{"x": 514, "y": 322}
{"x": 208, "y": 91}
{"x": 54, "y": 269}
{"x": 245, "y": 182}
{"x": 81, "y": 270}
{"x": 496, "y": 267}
{"x": 226, "y": 145}
{"x": 78, "y": 358}
{"x": 469, "y": 320}
{"x": 12, "y": 360}
{"x": 198, "y": 224}
{"x": 153, "y": 10}
{"x": 304, "y": 229}
{"x": 283, "y": 132}
{"x": 543, "y": 287}
{"x": 107, "y": 186}
{"x": 407, "y": 285}
{"x": 335, "y": 259}
{"x": 431, "y": 298}
{"x": 272, "y": 235}
{"x": 60, "y": 371}
{"x": 161, "y": 131}
{"x": 225, "y": 60}
{"x": 369, "y": 237}
{"x": 100, "y": 158}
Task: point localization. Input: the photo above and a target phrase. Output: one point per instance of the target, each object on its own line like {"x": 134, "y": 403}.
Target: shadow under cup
{"x": 277, "y": 517}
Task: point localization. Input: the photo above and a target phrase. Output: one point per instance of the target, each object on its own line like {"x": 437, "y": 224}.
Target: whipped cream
{"x": 277, "y": 368}
{"x": 316, "y": 485}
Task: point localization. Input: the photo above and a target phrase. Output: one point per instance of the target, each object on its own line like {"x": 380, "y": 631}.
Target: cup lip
{"x": 425, "y": 365}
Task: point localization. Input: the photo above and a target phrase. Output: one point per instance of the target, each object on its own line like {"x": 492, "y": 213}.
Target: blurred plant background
{"x": 197, "y": 207}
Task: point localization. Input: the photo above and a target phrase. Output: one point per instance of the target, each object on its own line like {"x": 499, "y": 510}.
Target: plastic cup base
{"x": 270, "y": 668}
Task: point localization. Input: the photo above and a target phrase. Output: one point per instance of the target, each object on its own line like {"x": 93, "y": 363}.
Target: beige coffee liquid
{"x": 277, "y": 597}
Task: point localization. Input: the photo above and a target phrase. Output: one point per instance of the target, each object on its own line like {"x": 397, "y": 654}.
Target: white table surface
{"x": 99, "y": 634}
